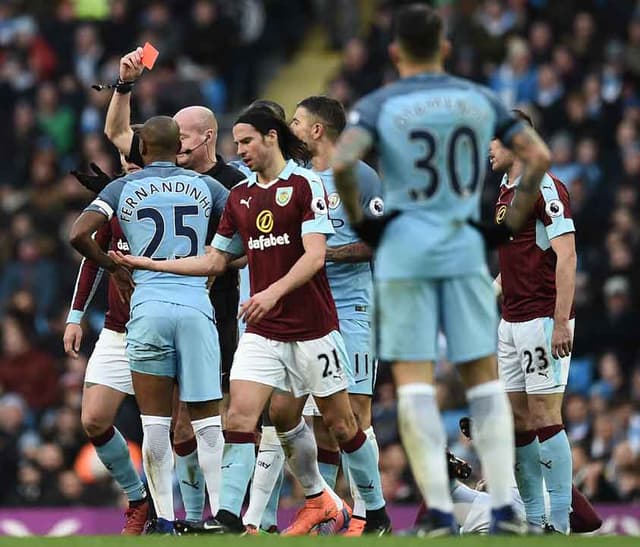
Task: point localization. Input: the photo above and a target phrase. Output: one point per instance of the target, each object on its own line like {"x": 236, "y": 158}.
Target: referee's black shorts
{"x": 225, "y": 304}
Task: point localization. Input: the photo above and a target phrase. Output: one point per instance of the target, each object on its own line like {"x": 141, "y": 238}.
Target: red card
{"x": 149, "y": 55}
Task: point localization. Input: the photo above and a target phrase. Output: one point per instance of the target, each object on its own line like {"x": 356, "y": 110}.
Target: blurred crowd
{"x": 573, "y": 65}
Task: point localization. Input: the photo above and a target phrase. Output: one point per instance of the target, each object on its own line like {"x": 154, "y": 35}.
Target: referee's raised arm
{"x": 117, "y": 126}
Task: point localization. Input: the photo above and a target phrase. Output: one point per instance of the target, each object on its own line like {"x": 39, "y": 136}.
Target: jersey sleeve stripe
{"x": 560, "y": 226}
{"x": 101, "y": 206}
{"x": 228, "y": 245}
{"x": 318, "y": 225}
{"x": 548, "y": 189}
{"x": 78, "y": 307}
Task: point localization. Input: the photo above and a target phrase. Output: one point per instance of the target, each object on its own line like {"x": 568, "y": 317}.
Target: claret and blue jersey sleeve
{"x": 227, "y": 239}
{"x": 553, "y": 208}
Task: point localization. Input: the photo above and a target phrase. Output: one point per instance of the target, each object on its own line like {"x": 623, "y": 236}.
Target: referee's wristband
{"x": 75, "y": 316}
{"x": 124, "y": 87}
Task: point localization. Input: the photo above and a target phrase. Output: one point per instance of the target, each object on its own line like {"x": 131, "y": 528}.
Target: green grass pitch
{"x": 273, "y": 541}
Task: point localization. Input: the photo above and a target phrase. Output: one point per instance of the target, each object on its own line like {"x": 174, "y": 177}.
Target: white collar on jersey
{"x": 284, "y": 174}
{"x": 505, "y": 181}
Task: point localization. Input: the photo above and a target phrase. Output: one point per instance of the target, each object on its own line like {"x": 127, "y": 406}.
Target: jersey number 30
{"x": 426, "y": 163}
{"x": 180, "y": 229}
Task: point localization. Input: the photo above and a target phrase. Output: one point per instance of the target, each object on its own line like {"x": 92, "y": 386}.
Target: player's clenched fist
{"x": 131, "y": 66}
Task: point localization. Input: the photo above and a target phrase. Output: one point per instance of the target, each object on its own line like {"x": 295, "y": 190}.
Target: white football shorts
{"x": 525, "y": 362}
{"x": 108, "y": 364}
{"x": 316, "y": 367}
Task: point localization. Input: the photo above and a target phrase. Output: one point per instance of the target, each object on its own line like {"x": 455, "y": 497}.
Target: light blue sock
{"x": 329, "y": 465}
{"x": 114, "y": 454}
{"x": 191, "y": 481}
{"x": 329, "y": 473}
{"x": 528, "y": 472}
{"x": 270, "y": 515}
{"x": 360, "y": 457}
{"x": 238, "y": 462}
{"x": 557, "y": 469}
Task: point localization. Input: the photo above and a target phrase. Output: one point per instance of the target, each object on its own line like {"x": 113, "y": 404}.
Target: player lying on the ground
{"x": 472, "y": 507}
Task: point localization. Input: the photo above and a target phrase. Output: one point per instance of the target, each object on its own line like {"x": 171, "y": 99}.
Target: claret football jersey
{"x": 527, "y": 262}
{"x": 268, "y": 222}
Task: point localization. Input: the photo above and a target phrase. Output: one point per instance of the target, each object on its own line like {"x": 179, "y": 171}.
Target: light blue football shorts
{"x": 362, "y": 364}
{"x": 166, "y": 339}
{"x": 411, "y": 313}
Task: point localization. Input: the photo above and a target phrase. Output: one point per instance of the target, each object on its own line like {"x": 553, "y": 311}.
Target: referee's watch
{"x": 123, "y": 86}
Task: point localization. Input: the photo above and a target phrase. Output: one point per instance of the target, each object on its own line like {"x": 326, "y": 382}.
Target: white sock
{"x": 425, "y": 442}
{"x": 300, "y": 449}
{"x": 269, "y": 462}
{"x": 157, "y": 459}
{"x": 494, "y": 439}
{"x": 210, "y": 442}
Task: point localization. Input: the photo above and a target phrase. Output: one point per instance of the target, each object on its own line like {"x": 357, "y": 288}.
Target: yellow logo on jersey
{"x": 264, "y": 221}
{"x": 501, "y": 213}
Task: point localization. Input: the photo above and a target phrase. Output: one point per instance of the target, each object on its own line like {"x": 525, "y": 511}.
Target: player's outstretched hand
{"x": 71, "y": 339}
{"x": 131, "y": 66}
{"x": 124, "y": 283}
{"x": 495, "y": 235}
{"x": 254, "y": 309}
{"x": 370, "y": 229}
{"x": 95, "y": 181}
{"x": 561, "y": 339}
{"x": 131, "y": 261}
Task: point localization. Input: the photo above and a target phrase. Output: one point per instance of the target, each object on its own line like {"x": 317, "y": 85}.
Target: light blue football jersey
{"x": 241, "y": 166}
{"x": 164, "y": 212}
{"x": 351, "y": 283}
{"x": 432, "y": 133}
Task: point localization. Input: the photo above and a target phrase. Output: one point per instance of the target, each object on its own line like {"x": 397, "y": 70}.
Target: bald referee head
{"x": 159, "y": 139}
{"x": 198, "y": 133}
